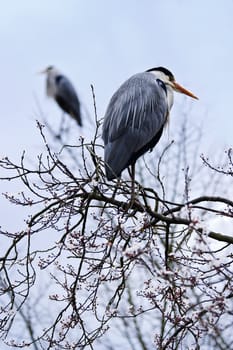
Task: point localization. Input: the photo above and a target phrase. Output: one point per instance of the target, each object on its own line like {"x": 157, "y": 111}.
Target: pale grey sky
{"x": 103, "y": 43}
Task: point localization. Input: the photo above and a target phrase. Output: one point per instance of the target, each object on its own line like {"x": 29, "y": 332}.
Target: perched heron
{"x": 61, "y": 89}
{"x": 136, "y": 116}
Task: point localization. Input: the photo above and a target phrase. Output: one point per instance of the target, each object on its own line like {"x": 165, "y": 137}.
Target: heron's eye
{"x": 162, "y": 85}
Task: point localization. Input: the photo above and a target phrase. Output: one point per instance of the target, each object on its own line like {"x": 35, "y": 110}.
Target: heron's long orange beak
{"x": 180, "y": 88}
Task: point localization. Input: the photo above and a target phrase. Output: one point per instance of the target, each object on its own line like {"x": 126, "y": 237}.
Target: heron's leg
{"x": 116, "y": 187}
{"x": 62, "y": 128}
{"x": 132, "y": 184}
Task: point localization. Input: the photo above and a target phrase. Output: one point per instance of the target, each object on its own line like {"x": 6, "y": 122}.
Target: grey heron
{"x": 59, "y": 87}
{"x": 136, "y": 116}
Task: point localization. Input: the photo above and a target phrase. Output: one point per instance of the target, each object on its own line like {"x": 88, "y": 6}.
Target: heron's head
{"x": 169, "y": 80}
{"x": 50, "y": 70}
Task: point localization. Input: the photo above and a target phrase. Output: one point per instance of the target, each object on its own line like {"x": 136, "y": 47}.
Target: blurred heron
{"x": 136, "y": 116}
{"x": 59, "y": 87}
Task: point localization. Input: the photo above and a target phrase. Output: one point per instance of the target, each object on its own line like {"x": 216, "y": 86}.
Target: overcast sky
{"x": 103, "y": 43}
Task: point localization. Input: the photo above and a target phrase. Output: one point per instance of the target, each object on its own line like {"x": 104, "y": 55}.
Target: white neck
{"x": 170, "y": 96}
{"x": 51, "y": 82}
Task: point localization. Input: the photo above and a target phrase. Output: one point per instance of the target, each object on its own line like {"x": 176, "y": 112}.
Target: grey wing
{"x": 67, "y": 98}
{"x": 136, "y": 113}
